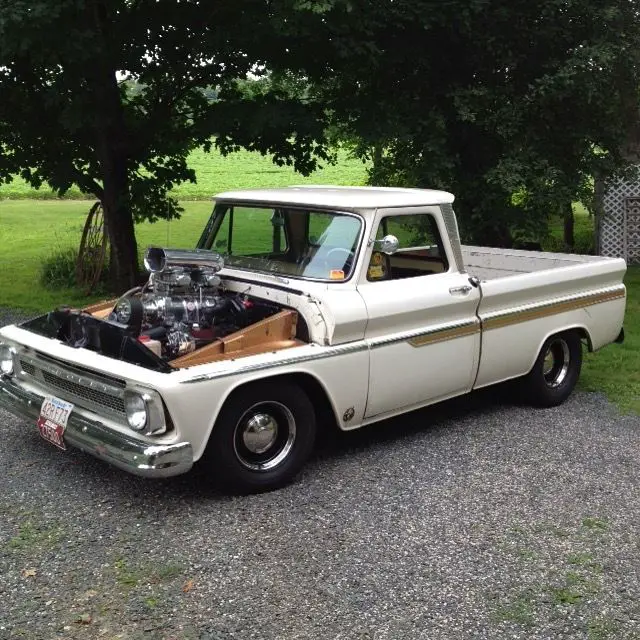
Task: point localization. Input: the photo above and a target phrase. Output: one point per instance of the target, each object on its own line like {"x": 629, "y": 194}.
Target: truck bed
{"x": 489, "y": 263}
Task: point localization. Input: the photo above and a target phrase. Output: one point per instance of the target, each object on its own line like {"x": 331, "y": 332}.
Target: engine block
{"x": 183, "y": 305}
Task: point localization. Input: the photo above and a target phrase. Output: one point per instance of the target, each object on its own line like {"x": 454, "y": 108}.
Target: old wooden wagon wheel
{"x": 93, "y": 249}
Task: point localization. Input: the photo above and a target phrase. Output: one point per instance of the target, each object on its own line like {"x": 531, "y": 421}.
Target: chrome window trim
{"x": 316, "y": 209}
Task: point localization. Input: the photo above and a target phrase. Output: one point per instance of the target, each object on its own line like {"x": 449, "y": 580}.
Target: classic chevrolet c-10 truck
{"x": 300, "y": 309}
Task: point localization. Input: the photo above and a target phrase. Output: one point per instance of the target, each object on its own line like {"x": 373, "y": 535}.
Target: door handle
{"x": 463, "y": 290}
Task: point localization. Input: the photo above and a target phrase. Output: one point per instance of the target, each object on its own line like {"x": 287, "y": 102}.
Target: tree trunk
{"x": 119, "y": 220}
{"x": 112, "y": 150}
{"x": 377, "y": 156}
{"x": 569, "y": 239}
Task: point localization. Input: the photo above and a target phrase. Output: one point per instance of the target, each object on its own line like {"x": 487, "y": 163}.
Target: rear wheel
{"x": 262, "y": 438}
{"x": 555, "y": 372}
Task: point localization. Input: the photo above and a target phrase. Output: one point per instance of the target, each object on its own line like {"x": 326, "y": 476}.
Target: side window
{"x": 420, "y": 249}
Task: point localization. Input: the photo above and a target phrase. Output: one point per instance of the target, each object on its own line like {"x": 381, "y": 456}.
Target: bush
{"x": 58, "y": 271}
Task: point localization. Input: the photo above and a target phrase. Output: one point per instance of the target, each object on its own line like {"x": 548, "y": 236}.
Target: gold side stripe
{"x": 447, "y": 334}
{"x": 551, "y": 309}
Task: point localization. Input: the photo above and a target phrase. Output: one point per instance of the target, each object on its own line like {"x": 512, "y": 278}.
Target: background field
{"x": 33, "y": 226}
{"x": 215, "y": 173}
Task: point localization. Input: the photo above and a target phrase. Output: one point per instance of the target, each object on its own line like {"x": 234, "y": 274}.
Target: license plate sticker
{"x": 54, "y": 415}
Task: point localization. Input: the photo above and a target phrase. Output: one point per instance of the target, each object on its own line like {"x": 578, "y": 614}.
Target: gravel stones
{"x": 475, "y": 519}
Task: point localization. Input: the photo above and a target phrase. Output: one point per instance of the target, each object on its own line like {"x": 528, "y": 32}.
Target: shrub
{"x": 58, "y": 271}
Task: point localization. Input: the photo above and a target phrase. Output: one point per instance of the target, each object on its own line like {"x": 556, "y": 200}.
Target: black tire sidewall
{"x": 220, "y": 456}
{"x": 537, "y": 389}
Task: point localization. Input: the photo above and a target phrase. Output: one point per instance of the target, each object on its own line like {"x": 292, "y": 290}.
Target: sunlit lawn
{"x": 33, "y": 225}
{"x": 215, "y": 173}
{"x": 615, "y": 370}
{"x": 31, "y": 230}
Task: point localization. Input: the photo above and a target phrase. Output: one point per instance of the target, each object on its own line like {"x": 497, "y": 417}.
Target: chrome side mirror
{"x": 389, "y": 245}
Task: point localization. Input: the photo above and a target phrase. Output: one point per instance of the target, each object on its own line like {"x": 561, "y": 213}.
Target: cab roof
{"x": 340, "y": 197}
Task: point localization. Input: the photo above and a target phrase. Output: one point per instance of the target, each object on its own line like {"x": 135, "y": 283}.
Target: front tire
{"x": 262, "y": 437}
{"x": 555, "y": 372}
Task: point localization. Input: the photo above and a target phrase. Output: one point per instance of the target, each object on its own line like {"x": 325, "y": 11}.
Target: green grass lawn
{"x": 31, "y": 230}
{"x": 216, "y": 173}
{"x": 615, "y": 370}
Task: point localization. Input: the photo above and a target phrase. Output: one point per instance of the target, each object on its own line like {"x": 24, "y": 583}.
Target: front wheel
{"x": 262, "y": 437}
{"x": 555, "y": 372}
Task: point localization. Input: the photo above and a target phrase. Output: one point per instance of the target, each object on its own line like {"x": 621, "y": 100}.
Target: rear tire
{"x": 555, "y": 372}
{"x": 262, "y": 438}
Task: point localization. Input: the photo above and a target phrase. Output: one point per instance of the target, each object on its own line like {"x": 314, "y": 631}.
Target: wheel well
{"x": 585, "y": 337}
{"x": 325, "y": 414}
{"x": 582, "y": 333}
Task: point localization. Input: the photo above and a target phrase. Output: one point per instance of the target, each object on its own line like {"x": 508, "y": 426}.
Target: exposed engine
{"x": 183, "y": 306}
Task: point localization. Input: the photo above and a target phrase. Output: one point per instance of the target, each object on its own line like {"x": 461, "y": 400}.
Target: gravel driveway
{"x": 477, "y": 519}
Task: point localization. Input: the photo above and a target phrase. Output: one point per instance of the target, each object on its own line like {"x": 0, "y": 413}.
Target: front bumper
{"x": 93, "y": 437}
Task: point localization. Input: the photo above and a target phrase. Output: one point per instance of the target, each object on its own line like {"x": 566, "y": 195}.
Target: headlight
{"x": 145, "y": 411}
{"x": 136, "y": 410}
{"x": 6, "y": 360}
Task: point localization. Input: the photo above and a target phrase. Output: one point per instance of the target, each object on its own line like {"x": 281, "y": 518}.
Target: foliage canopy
{"x": 69, "y": 113}
{"x": 513, "y": 105}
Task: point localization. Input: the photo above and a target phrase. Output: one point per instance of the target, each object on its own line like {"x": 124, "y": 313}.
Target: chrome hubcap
{"x": 264, "y": 436}
{"x": 260, "y": 432}
{"x": 556, "y": 363}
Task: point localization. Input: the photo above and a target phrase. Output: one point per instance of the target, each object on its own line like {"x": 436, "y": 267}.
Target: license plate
{"x": 54, "y": 415}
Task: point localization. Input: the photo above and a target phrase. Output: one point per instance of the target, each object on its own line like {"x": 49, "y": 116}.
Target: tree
{"x": 513, "y": 105}
{"x": 112, "y": 95}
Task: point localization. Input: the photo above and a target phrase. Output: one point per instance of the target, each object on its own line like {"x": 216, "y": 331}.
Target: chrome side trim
{"x": 446, "y": 334}
{"x": 506, "y": 317}
{"x": 421, "y": 337}
{"x": 416, "y": 338}
{"x": 91, "y": 436}
{"x": 326, "y": 352}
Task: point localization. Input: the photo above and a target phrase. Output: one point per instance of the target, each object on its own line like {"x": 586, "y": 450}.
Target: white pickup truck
{"x": 303, "y": 308}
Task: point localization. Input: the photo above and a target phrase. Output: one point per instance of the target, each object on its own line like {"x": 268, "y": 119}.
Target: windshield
{"x": 289, "y": 242}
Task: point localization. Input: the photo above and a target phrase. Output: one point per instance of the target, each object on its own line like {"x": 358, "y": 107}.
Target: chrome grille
{"x": 28, "y": 367}
{"x": 84, "y": 388}
{"x": 77, "y": 390}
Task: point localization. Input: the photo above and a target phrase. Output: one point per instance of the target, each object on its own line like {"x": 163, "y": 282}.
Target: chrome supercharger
{"x": 182, "y": 305}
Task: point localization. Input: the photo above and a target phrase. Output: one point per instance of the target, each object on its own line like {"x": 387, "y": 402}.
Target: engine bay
{"x": 182, "y": 316}
{"x": 183, "y": 305}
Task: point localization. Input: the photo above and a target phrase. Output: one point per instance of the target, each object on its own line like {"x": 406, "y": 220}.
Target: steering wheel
{"x": 345, "y": 261}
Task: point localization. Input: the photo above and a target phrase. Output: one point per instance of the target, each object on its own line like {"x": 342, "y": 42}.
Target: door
{"x": 423, "y": 330}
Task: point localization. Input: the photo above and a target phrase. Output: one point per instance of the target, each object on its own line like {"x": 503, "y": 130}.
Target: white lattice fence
{"x": 619, "y": 228}
{"x": 632, "y": 227}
